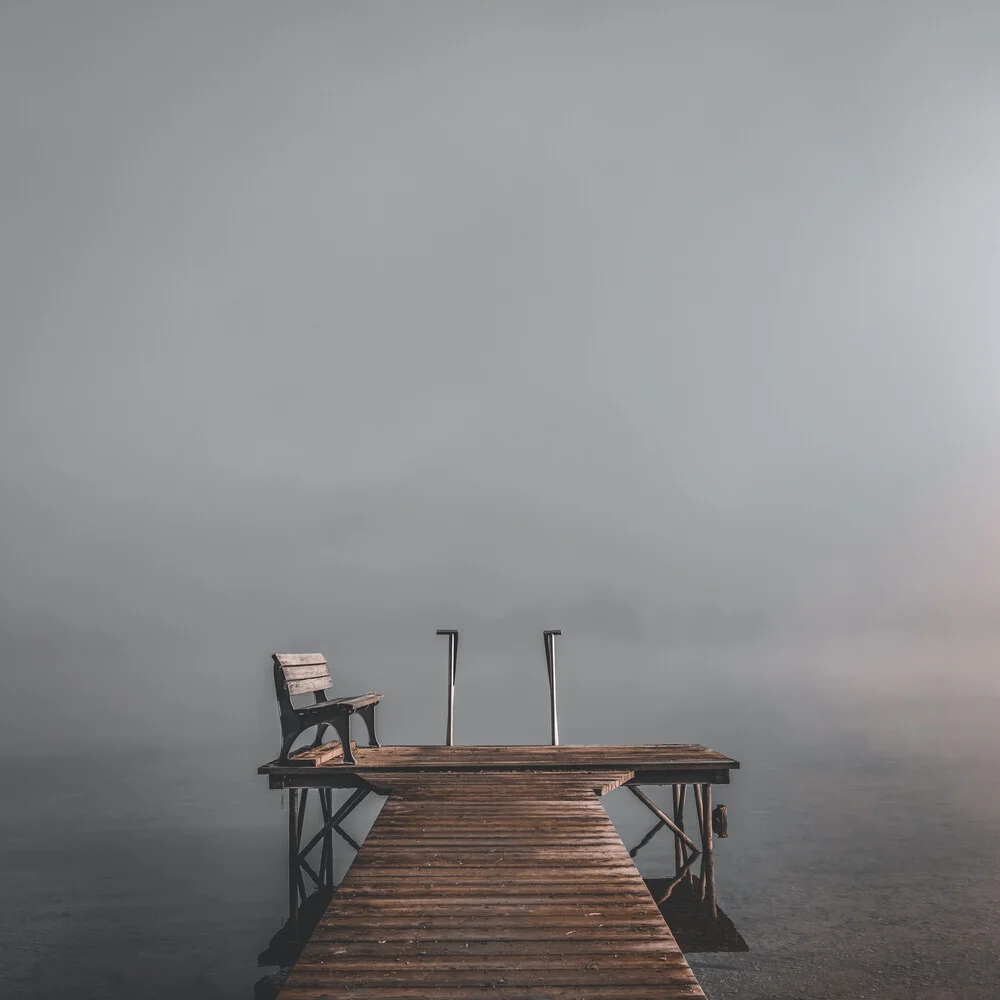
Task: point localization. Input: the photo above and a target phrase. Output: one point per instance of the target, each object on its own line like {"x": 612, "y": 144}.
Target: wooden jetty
{"x": 492, "y": 871}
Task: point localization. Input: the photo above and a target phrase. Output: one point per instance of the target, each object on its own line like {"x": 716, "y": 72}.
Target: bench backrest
{"x": 300, "y": 673}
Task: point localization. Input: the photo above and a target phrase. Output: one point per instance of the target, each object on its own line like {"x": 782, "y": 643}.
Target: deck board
{"x": 512, "y": 885}
{"x": 377, "y": 766}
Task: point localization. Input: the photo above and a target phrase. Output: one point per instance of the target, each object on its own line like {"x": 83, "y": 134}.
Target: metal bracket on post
{"x": 549, "y": 639}
{"x": 452, "y": 634}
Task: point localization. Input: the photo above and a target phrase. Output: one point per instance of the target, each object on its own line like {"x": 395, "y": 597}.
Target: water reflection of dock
{"x": 694, "y": 925}
{"x": 489, "y": 868}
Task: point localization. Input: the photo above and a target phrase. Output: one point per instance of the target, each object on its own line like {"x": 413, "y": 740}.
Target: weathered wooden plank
{"x": 416, "y": 934}
{"x": 582, "y": 992}
{"x": 604, "y": 944}
{"x": 374, "y": 875}
{"x": 309, "y": 685}
{"x": 306, "y": 672}
{"x": 638, "y": 964}
{"x": 458, "y": 819}
{"x": 357, "y": 700}
{"x": 556, "y": 885}
{"x": 393, "y": 763}
{"x": 662, "y": 975}
{"x": 298, "y": 659}
{"x": 473, "y": 818}
{"x": 484, "y": 835}
{"x": 485, "y": 908}
{"x": 317, "y": 756}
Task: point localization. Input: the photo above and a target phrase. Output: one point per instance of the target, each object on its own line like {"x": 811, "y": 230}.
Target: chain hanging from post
{"x": 452, "y": 634}
{"x": 549, "y": 640}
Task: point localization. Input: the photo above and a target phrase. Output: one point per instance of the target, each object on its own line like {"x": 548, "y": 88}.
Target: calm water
{"x": 863, "y": 858}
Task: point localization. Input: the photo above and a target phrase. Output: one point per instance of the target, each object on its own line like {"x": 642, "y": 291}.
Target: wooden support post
{"x": 707, "y": 859}
{"x": 680, "y": 852}
{"x": 293, "y": 858}
{"x": 323, "y": 850}
{"x": 303, "y": 802}
{"x": 326, "y": 869}
{"x": 699, "y": 790}
{"x": 324, "y": 881}
{"x": 700, "y": 809}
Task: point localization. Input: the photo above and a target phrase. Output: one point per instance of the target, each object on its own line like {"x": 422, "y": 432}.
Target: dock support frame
{"x": 298, "y": 860}
{"x": 686, "y": 851}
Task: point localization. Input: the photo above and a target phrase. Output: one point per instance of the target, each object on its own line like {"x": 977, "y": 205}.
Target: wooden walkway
{"x": 511, "y": 884}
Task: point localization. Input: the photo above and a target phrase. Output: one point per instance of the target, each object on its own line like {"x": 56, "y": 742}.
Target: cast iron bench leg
{"x": 368, "y": 714}
{"x": 342, "y": 723}
{"x": 286, "y": 745}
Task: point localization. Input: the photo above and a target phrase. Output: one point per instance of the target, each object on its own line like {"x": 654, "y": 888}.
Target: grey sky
{"x": 321, "y": 318}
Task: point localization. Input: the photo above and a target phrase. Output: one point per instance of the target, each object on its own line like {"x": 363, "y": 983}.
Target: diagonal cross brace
{"x": 663, "y": 818}
{"x": 333, "y": 823}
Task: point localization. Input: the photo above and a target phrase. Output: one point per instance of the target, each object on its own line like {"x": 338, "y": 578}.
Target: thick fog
{"x": 327, "y": 325}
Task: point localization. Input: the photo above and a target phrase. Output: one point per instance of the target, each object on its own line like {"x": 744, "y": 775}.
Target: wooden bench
{"x": 308, "y": 673}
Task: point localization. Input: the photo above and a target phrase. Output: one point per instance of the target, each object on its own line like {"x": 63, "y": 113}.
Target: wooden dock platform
{"x": 653, "y": 764}
{"x": 493, "y": 871}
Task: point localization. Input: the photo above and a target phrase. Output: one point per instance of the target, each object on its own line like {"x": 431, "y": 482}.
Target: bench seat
{"x": 359, "y": 701}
